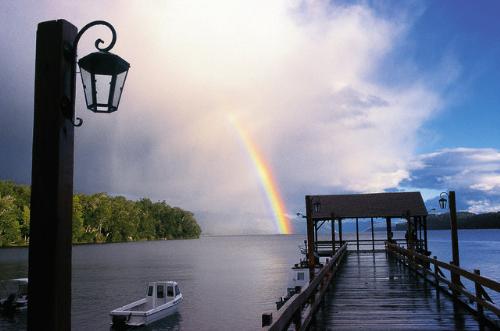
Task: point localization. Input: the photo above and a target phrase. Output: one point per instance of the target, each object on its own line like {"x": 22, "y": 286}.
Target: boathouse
{"x": 408, "y": 206}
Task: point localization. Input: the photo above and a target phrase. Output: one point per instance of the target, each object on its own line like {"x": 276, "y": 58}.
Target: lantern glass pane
{"x": 87, "y": 87}
{"x": 120, "y": 81}
{"x": 102, "y": 86}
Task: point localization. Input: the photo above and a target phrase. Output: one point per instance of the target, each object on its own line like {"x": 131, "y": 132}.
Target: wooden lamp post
{"x": 49, "y": 268}
{"x": 454, "y": 231}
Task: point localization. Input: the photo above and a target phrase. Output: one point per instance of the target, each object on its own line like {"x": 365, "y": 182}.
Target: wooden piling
{"x": 479, "y": 294}
{"x": 455, "y": 278}
{"x": 267, "y": 319}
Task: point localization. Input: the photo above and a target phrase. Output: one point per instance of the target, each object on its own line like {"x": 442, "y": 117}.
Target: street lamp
{"x": 50, "y": 246}
{"x": 443, "y": 200}
{"x": 455, "y": 278}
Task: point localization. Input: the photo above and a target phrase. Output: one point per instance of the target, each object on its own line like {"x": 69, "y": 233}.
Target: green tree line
{"x": 98, "y": 218}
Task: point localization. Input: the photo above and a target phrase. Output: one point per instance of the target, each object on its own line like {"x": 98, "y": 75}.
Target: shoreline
{"x": 104, "y": 243}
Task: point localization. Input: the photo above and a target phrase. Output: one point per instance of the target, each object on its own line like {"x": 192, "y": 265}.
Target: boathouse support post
{"x": 410, "y": 232}
{"x": 373, "y": 235}
{"x": 417, "y": 234}
{"x": 315, "y": 236}
{"x": 422, "y": 243}
{"x": 333, "y": 234}
{"x": 49, "y": 269}
{"x": 410, "y": 236}
{"x": 425, "y": 236}
{"x": 310, "y": 238}
{"x": 389, "y": 228}
{"x": 454, "y": 237}
{"x": 418, "y": 225}
{"x": 340, "y": 231}
{"x": 420, "y": 234}
{"x": 357, "y": 235}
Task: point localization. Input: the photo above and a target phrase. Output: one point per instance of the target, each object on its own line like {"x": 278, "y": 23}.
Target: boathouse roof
{"x": 392, "y": 204}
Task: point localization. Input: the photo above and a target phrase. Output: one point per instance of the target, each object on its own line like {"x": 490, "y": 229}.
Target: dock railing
{"x": 300, "y": 308}
{"x": 422, "y": 264}
{"x": 324, "y": 247}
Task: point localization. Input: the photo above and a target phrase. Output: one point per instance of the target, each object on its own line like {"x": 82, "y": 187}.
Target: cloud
{"x": 474, "y": 173}
{"x": 299, "y": 75}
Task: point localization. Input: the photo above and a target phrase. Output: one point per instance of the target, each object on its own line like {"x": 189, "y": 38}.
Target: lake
{"x": 227, "y": 281}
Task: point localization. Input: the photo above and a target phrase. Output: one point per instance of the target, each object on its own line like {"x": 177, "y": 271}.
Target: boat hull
{"x": 139, "y": 318}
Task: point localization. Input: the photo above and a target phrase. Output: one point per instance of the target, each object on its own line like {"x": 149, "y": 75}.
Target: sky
{"x": 237, "y": 109}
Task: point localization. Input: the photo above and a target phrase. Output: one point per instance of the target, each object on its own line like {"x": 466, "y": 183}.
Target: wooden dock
{"x": 372, "y": 291}
{"x": 390, "y": 284}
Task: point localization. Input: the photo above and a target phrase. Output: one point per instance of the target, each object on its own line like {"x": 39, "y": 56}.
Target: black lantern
{"x": 443, "y": 200}
{"x": 317, "y": 207}
{"x": 103, "y": 74}
{"x": 103, "y": 77}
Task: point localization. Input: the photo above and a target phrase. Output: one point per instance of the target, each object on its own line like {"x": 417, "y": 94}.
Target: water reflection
{"x": 170, "y": 323}
{"x": 14, "y": 321}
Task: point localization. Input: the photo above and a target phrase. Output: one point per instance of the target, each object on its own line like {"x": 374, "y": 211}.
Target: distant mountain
{"x": 465, "y": 221}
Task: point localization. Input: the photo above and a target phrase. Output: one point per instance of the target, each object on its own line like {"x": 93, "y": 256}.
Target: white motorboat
{"x": 298, "y": 277}
{"x": 16, "y": 295}
{"x": 162, "y": 299}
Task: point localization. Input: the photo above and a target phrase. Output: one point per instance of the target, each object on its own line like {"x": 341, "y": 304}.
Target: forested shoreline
{"x": 98, "y": 218}
{"x": 465, "y": 220}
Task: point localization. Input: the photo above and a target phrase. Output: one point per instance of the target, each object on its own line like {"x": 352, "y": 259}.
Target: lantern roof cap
{"x": 103, "y": 63}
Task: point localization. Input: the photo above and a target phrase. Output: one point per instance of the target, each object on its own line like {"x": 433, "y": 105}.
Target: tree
{"x": 124, "y": 220}
{"x": 9, "y": 224}
{"x": 147, "y": 222}
{"x": 25, "y": 224}
{"x": 77, "y": 226}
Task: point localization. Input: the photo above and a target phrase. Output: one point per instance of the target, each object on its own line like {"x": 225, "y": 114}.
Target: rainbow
{"x": 266, "y": 178}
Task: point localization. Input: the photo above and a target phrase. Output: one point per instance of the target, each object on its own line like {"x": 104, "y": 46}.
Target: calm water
{"x": 227, "y": 282}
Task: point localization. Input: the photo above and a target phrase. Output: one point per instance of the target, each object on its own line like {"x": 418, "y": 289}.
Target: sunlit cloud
{"x": 300, "y": 75}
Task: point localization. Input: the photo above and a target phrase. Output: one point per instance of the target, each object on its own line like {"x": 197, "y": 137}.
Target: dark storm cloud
{"x": 16, "y": 109}
{"x": 474, "y": 173}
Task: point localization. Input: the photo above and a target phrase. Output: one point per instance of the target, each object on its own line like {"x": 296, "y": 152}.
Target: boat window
{"x": 170, "y": 291}
{"x": 160, "y": 291}
{"x": 177, "y": 291}
{"x": 150, "y": 291}
{"x": 300, "y": 276}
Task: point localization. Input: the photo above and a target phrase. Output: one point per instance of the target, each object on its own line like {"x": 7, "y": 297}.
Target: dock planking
{"x": 371, "y": 291}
